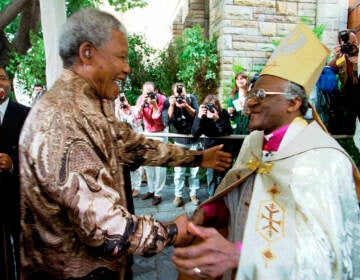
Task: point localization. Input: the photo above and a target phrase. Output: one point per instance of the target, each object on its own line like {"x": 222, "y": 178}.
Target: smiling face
{"x": 5, "y": 86}
{"x": 273, "y": 111}
{"x": 109, "y": 66}
{"x": 241, "y": 81}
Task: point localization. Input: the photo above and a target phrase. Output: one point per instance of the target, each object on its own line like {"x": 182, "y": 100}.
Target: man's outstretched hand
{"x": 215, "y": 158}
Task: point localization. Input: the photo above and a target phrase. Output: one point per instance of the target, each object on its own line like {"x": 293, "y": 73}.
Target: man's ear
{"x": 294, "y": 104}
{"x": 86, "y": 52}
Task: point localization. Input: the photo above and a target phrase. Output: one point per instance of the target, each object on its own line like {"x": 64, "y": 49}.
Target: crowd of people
{"x": 287, "y": 208}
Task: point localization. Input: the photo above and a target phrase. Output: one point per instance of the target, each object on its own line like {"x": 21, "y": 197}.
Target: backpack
{"x": 327, "y": 81}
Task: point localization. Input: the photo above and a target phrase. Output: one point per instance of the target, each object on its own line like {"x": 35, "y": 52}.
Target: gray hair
{"x": 88, "y": 25}
{"x": 294, "y": 90}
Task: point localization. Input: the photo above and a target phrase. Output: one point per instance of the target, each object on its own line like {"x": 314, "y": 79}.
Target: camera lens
{"x": 152, "y": 95}
{"x": 210, "y": 107}
{"x": 347, "y": 48}
{"x": 344, "y": 35}
{"x": 179, "y": 89}
{"x": 179, "y": 99}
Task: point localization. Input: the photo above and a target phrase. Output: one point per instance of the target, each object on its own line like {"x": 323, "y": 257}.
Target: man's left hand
{"x": 216, "y": 159}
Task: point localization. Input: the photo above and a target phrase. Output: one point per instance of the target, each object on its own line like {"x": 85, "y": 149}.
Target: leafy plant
{"x": 140, "y": 60}
{"x": 29, "y": 68}
{"x": 198, "y": 62}
{"x": 349, "y": 146}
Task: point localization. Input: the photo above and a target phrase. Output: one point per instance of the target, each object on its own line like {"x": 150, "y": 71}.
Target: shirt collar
{"x": 272, "y": 140}
{"x": 3, "y": 108}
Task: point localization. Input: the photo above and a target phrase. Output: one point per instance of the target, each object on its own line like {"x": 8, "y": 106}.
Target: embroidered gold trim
{"x": 268, "y": 255}
{"x": 253, "y": 164}
{"x": 266, "y": 167}
{"x": 270, "y": 221}
{"x": 261, "y": 167}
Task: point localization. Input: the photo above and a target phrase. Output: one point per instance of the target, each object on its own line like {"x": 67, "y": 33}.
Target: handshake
{"x": 202, "y": 252}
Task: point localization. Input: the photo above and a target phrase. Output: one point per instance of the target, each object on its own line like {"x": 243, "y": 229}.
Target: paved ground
{"x": 160, "y": 267}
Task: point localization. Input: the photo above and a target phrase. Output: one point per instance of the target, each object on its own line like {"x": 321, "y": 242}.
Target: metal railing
{"x": 233, "y": 136}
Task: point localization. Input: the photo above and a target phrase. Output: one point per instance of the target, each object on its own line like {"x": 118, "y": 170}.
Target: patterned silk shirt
{"x": 74, "y": 213}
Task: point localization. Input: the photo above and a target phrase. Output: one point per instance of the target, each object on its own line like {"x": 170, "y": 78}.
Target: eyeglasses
{"x": 261, "y": 93}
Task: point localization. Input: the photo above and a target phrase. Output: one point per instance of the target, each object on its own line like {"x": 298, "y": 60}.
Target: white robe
{"x": 303, "y": 218}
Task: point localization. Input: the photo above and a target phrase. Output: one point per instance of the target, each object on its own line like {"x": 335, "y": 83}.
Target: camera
{"x": 344, "y": 35}
{"x": 179, "y": 89}
{"x": 122, "y": 101}
{"x": 346, "y": 47}
{"x": 152, "y": 95}
{"x": 179, "y": 99}
{"x": 122, "y": 98}
{"x": 210, "y": 107}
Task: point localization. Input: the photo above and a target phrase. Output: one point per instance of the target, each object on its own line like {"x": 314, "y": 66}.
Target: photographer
{"x": 126, "y": 113}
{"x": 149, "y": 108}
{"x": 212, "y": 121}
{"x": 179, "y": 112}
{"x": 344, "y": 62}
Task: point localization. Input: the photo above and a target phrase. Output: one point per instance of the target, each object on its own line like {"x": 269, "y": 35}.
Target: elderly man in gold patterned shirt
{"x": 76, "y": 215}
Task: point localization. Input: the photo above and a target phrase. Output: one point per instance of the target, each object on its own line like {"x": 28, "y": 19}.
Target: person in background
{"x": 38, "y": 91}
{"x": 212, "y": 121}
{"x": 252, "y": 81}
{"x": 77, "y": 213}
{"x": 124, "y": 112}
{"x": 12, "y": 117}
{"x": 289, "y": 204}
{"x": 236, "y": 104}
{"x": 179, "y": 113}
{"x": 150, "y": 106}
{"x": 344, "y": 61}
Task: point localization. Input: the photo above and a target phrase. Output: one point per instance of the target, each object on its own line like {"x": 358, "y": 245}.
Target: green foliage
{"x": 119, "y": 5}
{"x": 29, "y": 68}
{"x": 166, "y": 66}
{"x": 198, "y": 62}
{"x": 124, "y": 5}
{"x": 140, "y": 62}
{"x": 349, "y": 146}
{"x": 73, "y": 5}
{"x": 190, "y": 59}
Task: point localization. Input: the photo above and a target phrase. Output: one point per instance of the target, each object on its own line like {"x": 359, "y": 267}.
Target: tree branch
{"x": 10, "y": 11}
{"x": 29, "y": 21}
{"x": 5, "y": 48}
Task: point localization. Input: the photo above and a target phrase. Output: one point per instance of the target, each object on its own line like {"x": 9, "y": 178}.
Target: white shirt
{"x": 3, "y": 108}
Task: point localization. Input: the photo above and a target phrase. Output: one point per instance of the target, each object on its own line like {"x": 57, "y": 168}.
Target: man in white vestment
{"x": 289, "y": 205}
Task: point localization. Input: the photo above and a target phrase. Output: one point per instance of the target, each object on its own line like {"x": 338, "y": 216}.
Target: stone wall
{"x": 190, "y": 13}
{"x": 246, "y": 29}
